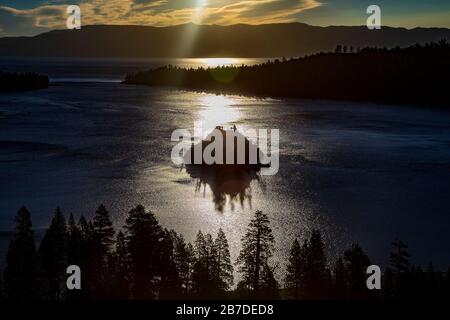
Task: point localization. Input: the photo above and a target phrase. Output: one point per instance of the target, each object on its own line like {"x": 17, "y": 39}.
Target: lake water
{"x": 361, "y": 173}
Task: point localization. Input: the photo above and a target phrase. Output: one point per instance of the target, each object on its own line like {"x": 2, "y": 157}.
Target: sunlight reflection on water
{"x": 341, "y": 170}
{"x": 217, "y": 110}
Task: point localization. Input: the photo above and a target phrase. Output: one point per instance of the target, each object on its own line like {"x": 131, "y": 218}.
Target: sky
{"x": 30, "y": 17}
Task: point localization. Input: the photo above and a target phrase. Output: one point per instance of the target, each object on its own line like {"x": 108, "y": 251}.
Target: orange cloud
{"x": 154, "y": 12}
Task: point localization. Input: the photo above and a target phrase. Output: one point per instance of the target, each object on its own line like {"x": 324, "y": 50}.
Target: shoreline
{"x": 415, "y": 75}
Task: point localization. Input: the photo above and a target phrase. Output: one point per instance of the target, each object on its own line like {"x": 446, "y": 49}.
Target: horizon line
{"x": 223, "y": 26}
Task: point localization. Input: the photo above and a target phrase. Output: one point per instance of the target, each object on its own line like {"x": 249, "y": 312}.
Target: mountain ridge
{"x": 194, "y": 41}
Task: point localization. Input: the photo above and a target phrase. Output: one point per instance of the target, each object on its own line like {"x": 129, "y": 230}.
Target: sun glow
{"x": 199, "y": 11}
{"x": 216, "y": 62}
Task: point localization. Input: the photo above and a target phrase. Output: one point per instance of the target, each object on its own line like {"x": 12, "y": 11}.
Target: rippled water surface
{"x": 359, "y": 172}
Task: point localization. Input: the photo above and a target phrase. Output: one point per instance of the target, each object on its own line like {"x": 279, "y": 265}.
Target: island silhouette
{"x": 10, "y": 81}
{"x": 413, "y": 75}
{"x": 227, "y": 179}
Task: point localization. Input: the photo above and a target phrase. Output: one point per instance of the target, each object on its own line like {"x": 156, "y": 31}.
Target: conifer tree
{"x": 295, "y": 275}
{"x": 84, "y": 246}
{"x": 75, "y": 255}
{"x": 103, "y": 231}
{"x": 74, "y": 241}
{"x": 85, "y": 228}
{"x": 20, "y": 277}
{"x": 205, "y": 265}
{"x": 199, "y": 280}
{"x": 317, "y": 273}
{"x": 356, "y": 263}
{"x": 53, "y": 254}
{"x": 399, "y": 257}
{"x": 190, "y": 252}
{"x": 224, "y": 269}
{"x": 340, "y": 279}
{"x": 210, "y": 259}
{"x": 269, "y": 288}
{"x": 143, "y": 234}
{"x": 121, "y": 276}
{"x": 257, "y": 248}
{"x": 102, "y": 241}
{"x": 184, "y": 258}
{"x": 170, "y": 283}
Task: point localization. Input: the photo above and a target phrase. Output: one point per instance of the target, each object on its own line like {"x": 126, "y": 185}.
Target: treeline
{"x": 22, "y": 81}
{"x": 143, "y": 260}
{"x": 416, "y": 75}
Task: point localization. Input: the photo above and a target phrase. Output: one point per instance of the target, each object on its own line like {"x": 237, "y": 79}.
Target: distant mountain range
{"x": 190, "y": 40}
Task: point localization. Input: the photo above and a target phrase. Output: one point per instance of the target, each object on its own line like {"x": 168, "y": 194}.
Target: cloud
{"x": 151, "y": 12}
{"x": 259, "y": 11}
{"x": 14, "y": 22}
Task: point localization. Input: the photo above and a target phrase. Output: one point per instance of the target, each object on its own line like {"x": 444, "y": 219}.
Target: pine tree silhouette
{"x": 53, "y": 254}
{"x": 223, "y": 276}
{"x": 102, "y": 241}
{"x": 356, "y": 263}
{"x": 85, "y": 245}
{"x": 295, "y": 275}
{"x": 205, "y": 266}
{"x": 151, "y": 262}
{"x": 20, "y": 277}
{"x": 340, "y": 279}
{"x": 257, "y": 248}
{"x": 143, "y": 234}
{"x": 269, "y": 288}
{"x": 170, "y": 283}
{"x": 317, "y": 267}
{"x": 184, "y": 258}
{"x": 76, "y": 255}
{"x": 400, "y": 265}
{"x": 121, "y": 275}
{"x": 399, "y": 257}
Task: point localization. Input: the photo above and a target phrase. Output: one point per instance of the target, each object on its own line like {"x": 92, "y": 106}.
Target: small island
{"x": 415, "y": 75}
{"x": 10, "y": 82}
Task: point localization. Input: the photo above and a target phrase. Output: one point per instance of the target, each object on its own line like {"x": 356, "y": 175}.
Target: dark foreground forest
{"x": 22, "y": 81}
{"x": 414, "y": 75}
{"x": 143, "y": 260}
